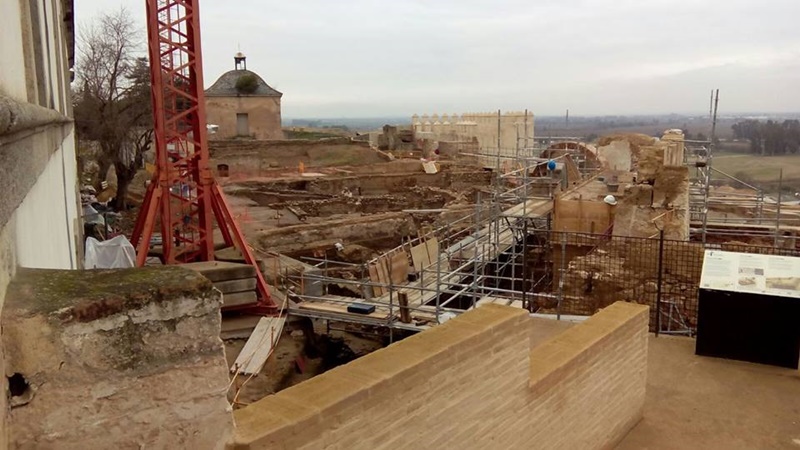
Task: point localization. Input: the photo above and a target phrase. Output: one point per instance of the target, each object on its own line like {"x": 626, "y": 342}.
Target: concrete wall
{"x": 115, "y": 359}
{"x": 473, "y": 382}
{"x": 264, "y": 116}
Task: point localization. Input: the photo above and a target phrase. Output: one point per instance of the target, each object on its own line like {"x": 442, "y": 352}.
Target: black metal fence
{"x": 578, "y": 273}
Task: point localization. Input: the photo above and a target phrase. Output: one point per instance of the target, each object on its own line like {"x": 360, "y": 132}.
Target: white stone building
{"x": 39, "y": 209}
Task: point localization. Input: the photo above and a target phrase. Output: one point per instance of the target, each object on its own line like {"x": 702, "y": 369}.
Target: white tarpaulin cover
{"x": 115, "y": 253}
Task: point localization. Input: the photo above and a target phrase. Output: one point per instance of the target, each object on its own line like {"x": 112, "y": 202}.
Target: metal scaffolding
{"x": 479, "y": 258}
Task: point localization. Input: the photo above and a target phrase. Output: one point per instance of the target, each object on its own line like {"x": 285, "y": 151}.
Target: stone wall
{"x": 39, "y": 224}
{"x": 483, "y": 126}
{"x": 385, "y": 229}
{"x": 627, "y": 270}
{"x": 115, "y": 359}
{"x": 264, "y": 116}
{"x": 256, "y": 157}
{"x": 473, "y": 382}
{"x": 8, "y": 267}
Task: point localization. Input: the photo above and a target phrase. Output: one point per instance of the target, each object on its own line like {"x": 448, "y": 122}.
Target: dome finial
{"x": 240, "y": 61}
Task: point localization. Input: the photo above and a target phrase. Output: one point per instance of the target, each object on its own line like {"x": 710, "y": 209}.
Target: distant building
{"x": 242, "y": 104}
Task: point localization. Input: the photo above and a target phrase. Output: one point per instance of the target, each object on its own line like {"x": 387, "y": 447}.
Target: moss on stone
{"x": 85, "y": 295}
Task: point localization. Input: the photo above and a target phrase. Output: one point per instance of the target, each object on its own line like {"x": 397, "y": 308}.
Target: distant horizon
{"x": 571, "y": 115}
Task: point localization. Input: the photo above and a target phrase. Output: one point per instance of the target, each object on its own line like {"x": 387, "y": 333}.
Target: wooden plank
{"x": 399, "y": 268}
{"x": 405, "y": 313}
{"x": 299, "y": 213}
{"x": 342, "y": 308}
{"x": 258, "y": 348}
{"x": 419, "y": 257}
{"x": 581, "y": 216}
{"x": 432, "y": 246}
{"x": 573, "y": 173}
{"x": 383, "y": 271}
{"x": 377, "y": 291}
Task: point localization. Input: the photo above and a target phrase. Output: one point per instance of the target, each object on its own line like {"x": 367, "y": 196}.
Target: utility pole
{"x": 778, "y": 211}
{"x": 711, "y": 105}
{"x": 499, "y": 119}
{"x": 708, "y": 173}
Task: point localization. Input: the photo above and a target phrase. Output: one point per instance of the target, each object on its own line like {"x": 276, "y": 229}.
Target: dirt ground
{"x": 710, "y": 403}
{"x": 282, "y": 369}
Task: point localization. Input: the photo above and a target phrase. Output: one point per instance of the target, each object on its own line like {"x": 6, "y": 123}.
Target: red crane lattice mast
{"x": 183, "y": 196}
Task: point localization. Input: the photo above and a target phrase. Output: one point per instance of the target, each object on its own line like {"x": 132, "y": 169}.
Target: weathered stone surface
{"x": 222, "y": 271}
{"x": 233, "y": 286}
{"x": 239, "y": 299}
{"x": 376, "y": 227}
{"x": 116, "y": 359}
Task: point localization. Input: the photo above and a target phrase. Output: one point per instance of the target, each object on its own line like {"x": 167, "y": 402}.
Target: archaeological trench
{"x": 333, "y": 223}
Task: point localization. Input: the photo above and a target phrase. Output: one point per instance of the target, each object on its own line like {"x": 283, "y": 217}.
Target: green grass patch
{"x": 310, "y": 135}
{"x": 760, "y": 171}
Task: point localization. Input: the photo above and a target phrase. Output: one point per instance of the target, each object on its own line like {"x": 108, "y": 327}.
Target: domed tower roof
{"x": 241, "y": 82}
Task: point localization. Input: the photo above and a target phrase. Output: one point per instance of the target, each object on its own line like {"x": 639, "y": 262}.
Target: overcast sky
{"x": 362, "y": 58}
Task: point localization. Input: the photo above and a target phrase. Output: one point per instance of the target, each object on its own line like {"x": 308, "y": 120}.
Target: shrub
{"x": 247, "y": 84}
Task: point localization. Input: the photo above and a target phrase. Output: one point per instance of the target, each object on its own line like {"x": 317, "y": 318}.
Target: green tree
{"x": 112, "y": 101}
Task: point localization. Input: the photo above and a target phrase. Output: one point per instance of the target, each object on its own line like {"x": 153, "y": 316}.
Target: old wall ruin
{"x": 473, "y": 382}
{"x": 115, "y": 359}
{"x": 255, "y": 158}
{"x": 514, "y": 126}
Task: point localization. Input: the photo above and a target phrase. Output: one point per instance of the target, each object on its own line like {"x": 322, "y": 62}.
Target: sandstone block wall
{"x": 588, "y": 383}
{"x": 470, "y": 383}
{"x": 115, "y": 359}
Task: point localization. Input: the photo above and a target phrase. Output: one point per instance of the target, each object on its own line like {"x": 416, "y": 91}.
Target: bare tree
{"x": 112, "y": 97}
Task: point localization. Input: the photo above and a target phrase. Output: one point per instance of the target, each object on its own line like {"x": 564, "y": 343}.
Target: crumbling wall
{"x": 627, "y": 270}
{"x": 253, "y": 157}
{"x": 471, "y": 383}
{"x": 616, "y": 155}
{"x": 389, "y": 228}
{"x": 649, "y": 163}
{"x": 453, "y": 148}
{"x": 394, "y": 139}
{"x": 662, "y": 204}
{"x": 115, "y": 359}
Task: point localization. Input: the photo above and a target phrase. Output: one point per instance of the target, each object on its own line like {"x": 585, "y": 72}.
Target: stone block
{"x": 116, "y": 359}
{"x": 234, "y": 286}
{"x": 239, "y": 299}
{"x": 222, "y": 271}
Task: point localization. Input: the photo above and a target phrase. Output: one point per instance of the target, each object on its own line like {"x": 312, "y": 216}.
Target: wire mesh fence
{"x": 578, "y": 273}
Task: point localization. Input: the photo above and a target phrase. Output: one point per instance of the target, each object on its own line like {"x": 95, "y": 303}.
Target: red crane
{"x": 183, "y": 197}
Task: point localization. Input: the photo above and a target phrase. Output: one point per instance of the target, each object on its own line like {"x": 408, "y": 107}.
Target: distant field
{"x": 763, "y": 171}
